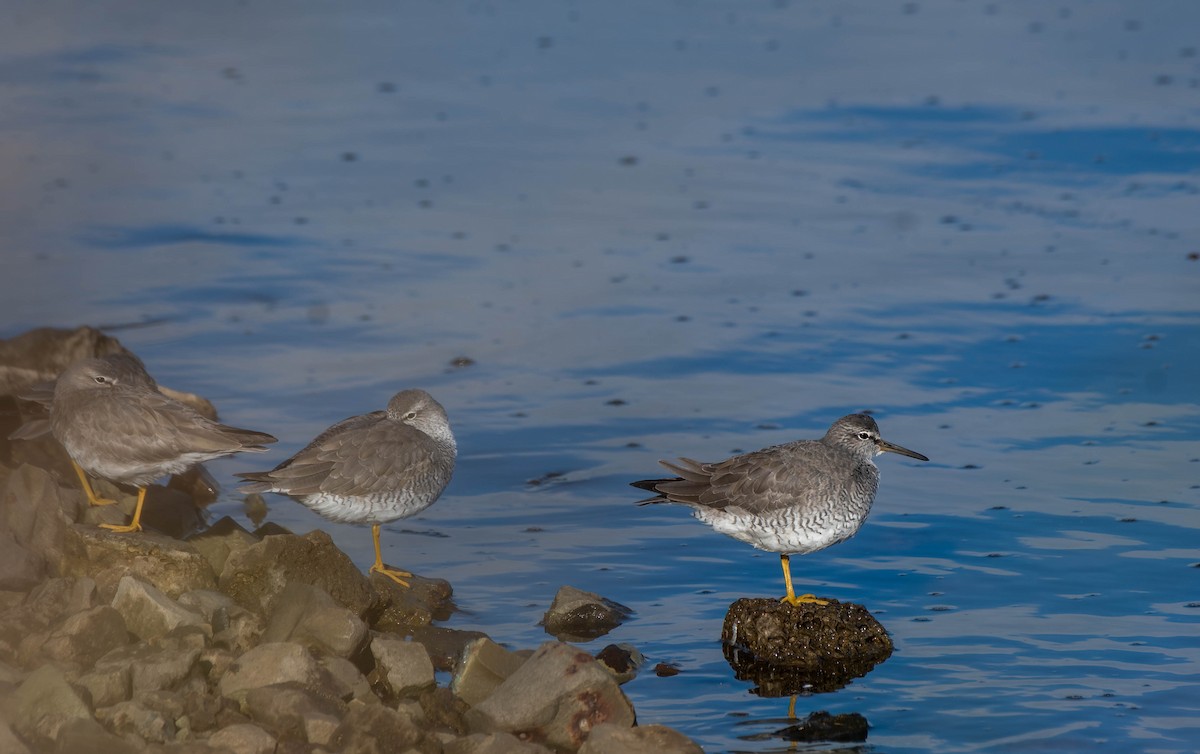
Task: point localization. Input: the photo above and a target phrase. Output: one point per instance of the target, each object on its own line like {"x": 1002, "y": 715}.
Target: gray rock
{"x": 445, "y": 645}
{"x": 283, "y": 709}
{"x": 269, "y": 664}
{"x": 403, "y": 665}
{"x": 133, "y": 717}
{"x": 149, "y": 613}
{"x": 484, "y": 666}
{"x": 493, "y": 743}
{"x": 809, "y": 647}
{"x": 644, "y": 739}
{"x": 111, "y": 679}
{"x": 20, "y": 568}
{"x": 577, "y": 615}
{"x": 556, "y": 697}
{"x": 257, "y": 575}
{"x": 171, "y": 566}
{"x": 244, "y": 738}
{"x": 375, "y": 729}
{"x": 89, "y": 737}
{"x": 9, "y": 743}
{"x": 402, "y": 610}
{"x": 42, "y": 705}
{"x": 87, "y": 636}
{"x": 37, "y": 513}
{"x": 217, "y": 541}
{"x": 233, "y": 626}
{"x": 346, "y": 680}
{"x": 307, "y": 615}
{"x": 40, "y": 354}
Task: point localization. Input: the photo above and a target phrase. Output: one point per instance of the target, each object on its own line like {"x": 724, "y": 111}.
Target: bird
{"x": 792, "y": 499}
{"x": 371, "y": 469}
{"x": 114, "y": 423}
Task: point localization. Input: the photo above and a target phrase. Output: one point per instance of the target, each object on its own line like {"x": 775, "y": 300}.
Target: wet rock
{"x": 493, "y": 743}
{"x": 483, "y": 667}
{"x": 577, "y": 615}
{"x": 149, "y": 613}
{"x": 283, "y": 709}
{"x": 623, "y": 660}
{"x": 244, "y": 738}
{"x": 37, "y": 513}
{"x": 806, "y": 648}
{"x": 445, "y": 645}
{"x": 269, "y": 664}
{"x": 217, "y": 541}
{"x": 556, "y": 697}
{"x": 375, "y": 729}
{"x": 40, "y": 707}
{"x": 86, "y": 636}
{"x": 233, "y": 626}
{"x": 307, "y": 615}
{"x": 171, "y": 566}
{"x": 402, "y": 610}
{"x": 404, "y": 666}
{"x": 822, "y": 726}
{"x": 257, "y": 575}
{"x": 643, "y": 739}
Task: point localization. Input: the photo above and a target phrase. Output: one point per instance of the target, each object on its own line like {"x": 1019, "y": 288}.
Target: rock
{"x": 217, "y": 541}
{"x": 822, "y": 726}
{"x": 244, "y": 738}
{"x": 20, "y": 568}
{"x": 375, "y": 729}
{"x": 556, "y": 697}
{"x": 493, "y": 743}
{"x": 88, "y": 737}
{"x": 133, "y": 717}
{"x": 445, "y": 645}
{"x": 149, "y": 613}
{"x": 307, "y": 615}
{"x": 622, "y": 660}
{"x": 40, "y": 354}
{"x": 401, "y": 610}
{"x": 403, "y": 665}
{"x": 484, "y": 666}
{"x": 171, "y": 566}
{"x": 166, "y": 510}
{"x": 347, "y": 681}
{"x": 37, "y": 513}
{"x": 257, "y": 575}
{"x": 155, "y": 670}
{"x": 233, "y": 626}
{"x": 42, "y": 705}
{"x": 86, "y": 636}
{"x": 9, "y": 743}
{"x": 282, "y": 710}
{"x": 643, "y": 739}
{"x": 789, "y": 649}
{"x": 111, "y": 679}
{"x": 444, "y": 711}
{"x": 577, "y": 615}
{"x": 269, "y": 664}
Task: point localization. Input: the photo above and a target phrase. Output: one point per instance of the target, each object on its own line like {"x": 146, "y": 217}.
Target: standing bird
{"x": 115, "y": 424}
{"x": 792, "y": 499}
{"x": 371, "y": 469}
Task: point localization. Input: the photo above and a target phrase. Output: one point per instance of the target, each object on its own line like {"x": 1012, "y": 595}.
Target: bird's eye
{"x": 411, "y": 415}
{"x": 101, "y": 379}
{"x": 864, "y": 435}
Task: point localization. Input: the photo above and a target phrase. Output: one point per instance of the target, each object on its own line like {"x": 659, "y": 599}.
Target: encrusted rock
{"x": 402, "y": 610}
{"x": 483, "y": 667}
{"x": 822, "y": 726}
{"x": 217, "y": 541}
{"x": 268, "y": 664}
{"x": 257, "y": 575}
{"x": 171, "y": 566}
{"x": 307, "y": 615}
{"x": 643, "y": 739}
{"x": 556, "y": 697}
{"x": 403, "y": 665}
{"x": 576, "y": 615}
{"x": 789, "y": 649}
{"x": 149, "y": 613}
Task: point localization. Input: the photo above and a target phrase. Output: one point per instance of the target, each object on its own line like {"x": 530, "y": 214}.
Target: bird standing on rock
{"x": 115, "y": 424}
{"x": 371, "y": 469}
{"x": 792, "y": 499}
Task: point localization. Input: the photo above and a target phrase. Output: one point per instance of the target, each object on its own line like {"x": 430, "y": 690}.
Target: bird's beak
{"x": 887, "y": 447}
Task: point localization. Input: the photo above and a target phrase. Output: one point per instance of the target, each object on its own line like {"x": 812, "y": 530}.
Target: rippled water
{"x": 682, "y": 229}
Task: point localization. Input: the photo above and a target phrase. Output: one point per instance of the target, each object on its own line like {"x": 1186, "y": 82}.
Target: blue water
{"x": 682, "y": 229}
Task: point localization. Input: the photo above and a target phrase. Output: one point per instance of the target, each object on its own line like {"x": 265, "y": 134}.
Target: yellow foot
{"x": 803, "y": 599}
{"x": 121, "y": 529}
{"x": 393, "y": 574}
{"x": 98, "y": 501}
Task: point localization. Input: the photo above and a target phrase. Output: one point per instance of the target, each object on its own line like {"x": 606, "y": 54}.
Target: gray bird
{"x": 115, "y": 424}
{"x": 792, "y": 499}
{"x": 371, "y": 469}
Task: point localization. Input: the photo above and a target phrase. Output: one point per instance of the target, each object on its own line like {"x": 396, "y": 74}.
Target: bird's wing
{"x": 163, "y": 428}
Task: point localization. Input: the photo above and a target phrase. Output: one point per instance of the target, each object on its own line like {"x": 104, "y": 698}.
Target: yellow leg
{"x": 379, "y": 567}
{"x": 135, "y": 524}
{"x": 792, "y": 708}
{"x": 87, "y": 488}
{"x": 791, "y": 597}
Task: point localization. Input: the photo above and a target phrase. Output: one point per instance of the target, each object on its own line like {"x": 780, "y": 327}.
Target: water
{"x": 682, "y": 229}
